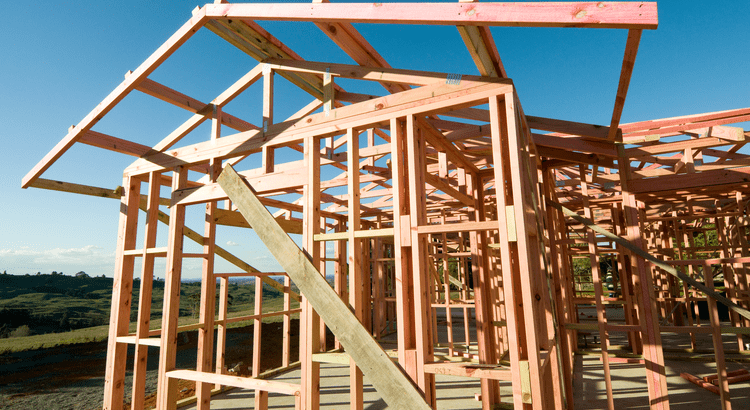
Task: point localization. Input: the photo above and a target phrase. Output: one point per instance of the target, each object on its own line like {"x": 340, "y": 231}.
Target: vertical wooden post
{"x": 208, "y": 281}
{"x": 420, "y": 273}
{"x": 167, "y": 388}
{"x": 286, "y": 327}
{"x": 721, "y": 367}
{"x": 122, "y": 290}
{"x": 447, "y": 287}
{"x": 739, "y": 240}
{"x": 480, "y": 271}
{"x": 601, "y": 316}
{"x": 144, "y": 298}
{"x": 563, "y": 298}
{"x": 309, "y": 319}
{"x": 261, "y": 396}
{"x": 401, "y": 251}
{"x": 379, "y": 303}
{"x": 322, "y": 270}
{"x": 339, "y": 271}
{"x": 267, "y": 152}
{"x": 515, "y": 323}
{"x": 652, "y": 348}
{"x": 624, "y": 271}
{"x": 356, "y": 275}
{"x": 730, "y": 275}
{"x": 221, "y": 332}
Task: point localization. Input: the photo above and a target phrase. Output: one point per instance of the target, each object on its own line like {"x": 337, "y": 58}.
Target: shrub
{"x": 21, "y": 331}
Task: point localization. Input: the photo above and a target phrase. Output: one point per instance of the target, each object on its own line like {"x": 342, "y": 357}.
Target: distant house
{"x": 82, "y": 274}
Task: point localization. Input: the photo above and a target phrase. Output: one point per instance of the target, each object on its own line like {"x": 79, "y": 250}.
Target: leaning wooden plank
{"x": 645, "y": 255}
{"x": 630, "y": 15}
{"x": 146, "y": 68}
{"x": 397, "y": 390}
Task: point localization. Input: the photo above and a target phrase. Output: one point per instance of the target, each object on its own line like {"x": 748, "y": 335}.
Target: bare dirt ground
{"x": 72, "y": 377}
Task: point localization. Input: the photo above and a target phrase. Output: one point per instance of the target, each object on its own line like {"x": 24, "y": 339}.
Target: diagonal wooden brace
{"x": 388, "y": 379}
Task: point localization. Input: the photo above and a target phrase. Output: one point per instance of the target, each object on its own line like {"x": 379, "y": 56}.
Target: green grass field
{"x": 61, "y": 310}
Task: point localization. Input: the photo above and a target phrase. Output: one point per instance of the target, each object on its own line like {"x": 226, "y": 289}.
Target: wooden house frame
{"x": 449, "y": 170}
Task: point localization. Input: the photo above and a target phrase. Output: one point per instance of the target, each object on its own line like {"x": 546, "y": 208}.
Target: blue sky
{"x": 60, "y": 59}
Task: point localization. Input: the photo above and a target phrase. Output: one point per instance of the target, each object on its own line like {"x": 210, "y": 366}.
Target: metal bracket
{"x": 453, "y": 79}
{"x": 327, "y": 80}
{"x": 523, "y": 366}
{"x": 510, "y": 223}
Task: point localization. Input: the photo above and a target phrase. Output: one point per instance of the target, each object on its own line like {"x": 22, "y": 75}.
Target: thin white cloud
{"x": 91, "y": 259}
{"x": 232, "y": 243}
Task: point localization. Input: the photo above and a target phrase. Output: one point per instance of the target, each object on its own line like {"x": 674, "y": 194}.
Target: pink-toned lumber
{"x": 144, "y": 296}
{"x": 640, "y": 15}
{"x": 355, "y": 263}
{"x": 699, "y": 382}
{"x": 446, "y": 204}
{"x": 121, "y": 296}
{"x": 309, "y": 319}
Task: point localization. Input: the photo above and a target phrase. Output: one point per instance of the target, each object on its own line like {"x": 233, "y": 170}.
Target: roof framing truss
{"x": 449, "y": 165}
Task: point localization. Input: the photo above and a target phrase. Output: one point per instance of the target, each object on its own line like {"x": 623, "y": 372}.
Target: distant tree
{"x": 195, "y": 301}
{"x": 22, "y": 331}
{"x": 65, "y": 321}
{"x": 5, "y": 272}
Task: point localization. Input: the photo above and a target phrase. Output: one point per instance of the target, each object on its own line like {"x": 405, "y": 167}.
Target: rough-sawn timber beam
{"x": 394, "y": 386}
{"x": 623, "y": 15}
